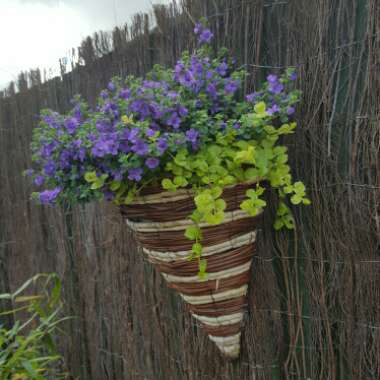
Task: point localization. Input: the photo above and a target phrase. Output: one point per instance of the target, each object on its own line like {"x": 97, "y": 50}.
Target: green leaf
{"x": 193, "y": 232}
{"x": 129, "y": 198}
{"x": 90, "y": 176}
{"x": 246, "y": 156}
{"x": 197, "y": 249}
{"x": 215, "y": 218}
{"x": 97, "y": 184}
{"x": 260, "y": 108}
{"x": 278, "y": 224}
{"x": 115, "y": 185}
{"x": 216, "y": 192}
{"x": 167, "y": 184}
{"x": 220, "y": 205}
{"x": 202, "y": 269}
{"x": 180, "y": 181}
{"x": 203, "y": 201}
{"x": 287, "y": 129}
{"x": 31, "y": 371}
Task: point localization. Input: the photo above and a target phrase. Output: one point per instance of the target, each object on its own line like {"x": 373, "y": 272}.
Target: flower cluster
{"x": 140, "y": 126}
{"x": 186, "y": 126}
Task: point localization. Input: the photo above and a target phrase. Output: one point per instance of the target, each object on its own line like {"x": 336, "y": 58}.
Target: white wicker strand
{"x": 223, "y": 320}
{"x": 231, "y": 272}
{"x": 181, "y": 225}
{"x": 216, "y": 297}
{"x": 234, "y": 243}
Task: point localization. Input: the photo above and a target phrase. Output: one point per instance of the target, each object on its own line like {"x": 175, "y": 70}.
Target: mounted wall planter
{"x": 218, "y": 302}
{"x": 181, "y": 151}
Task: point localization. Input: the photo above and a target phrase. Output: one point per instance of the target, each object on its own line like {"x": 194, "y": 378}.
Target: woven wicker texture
{"x": 218, "y": 302}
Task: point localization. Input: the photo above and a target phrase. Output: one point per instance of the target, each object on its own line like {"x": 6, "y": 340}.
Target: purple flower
{"x": 275, "y": 108}
{"x": 131, "y": 135}
{"x": 117, "y": 175}
{"x": 104, "y": 94}
{"x": 47, "y": 149}
{"x": 222, "y": 69}
{"x": 109, "y": 195}
{"x": 209, "y": 74}
{"x": 111, "y": 86}
{"x": 141, "y": 107}
{"x": 106, "y": 144}
{"x": 103, "y": 126}
{"x": 212, "y": 90}
{"x": 77, "y": 112}
{"x": 231, "y": 86}
{"x": 276, "y": 88}
{"x": 273, "y": 79}
{"x": 125, "y": 93}
{"x": 39, "y": 180}
{"x": 124, "y": 147}
{"x": 192, "y": 135}
{"x": 150, "y": 132}
{"x": 290, "y": 110}
{"x": 205, "y": 36}
{"x": 156, "y": 110}
{"x": 29, "y": 172}
{"x": 182, "y": 111}
{"x": 64, "y": 159}
{"x": 173, "y": 95}
{"x": 252, "y": 97}
{"x": 49, "y": 168}
{"x": 198, "y": 28}
{"x": 174, "y": 120}
{"x": 135, "y": 174}
{"x": 236, "y": 126}
{"x": 71, "y": 124}
{"x": 293, "y": 76}
{"x": 140, "y": 147}
{"x": 77, "y": 143}
{"x": 152, "y": 162}
{"x": 162, "y": 145}
{"x": 81, "y": 154}
{"x": 49, "y": 196}
{"x": 51, "y": 121}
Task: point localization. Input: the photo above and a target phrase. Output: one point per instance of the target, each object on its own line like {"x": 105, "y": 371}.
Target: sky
{"x": 37, "y": 33}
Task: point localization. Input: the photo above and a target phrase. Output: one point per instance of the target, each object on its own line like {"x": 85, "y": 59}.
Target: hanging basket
{"x": 218, "y": 302}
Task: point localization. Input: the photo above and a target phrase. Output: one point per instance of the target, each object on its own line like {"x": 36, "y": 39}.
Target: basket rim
{"x": 157, "y": 196}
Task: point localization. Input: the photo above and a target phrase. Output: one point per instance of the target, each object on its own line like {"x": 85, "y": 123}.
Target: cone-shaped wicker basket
{"x": 159, "y": 220}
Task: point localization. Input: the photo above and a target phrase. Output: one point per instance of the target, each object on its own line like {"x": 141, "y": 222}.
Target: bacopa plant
{"x": 184, "y": 127}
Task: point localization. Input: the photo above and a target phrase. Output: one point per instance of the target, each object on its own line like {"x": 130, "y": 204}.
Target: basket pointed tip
{"x": 229, "y": 346}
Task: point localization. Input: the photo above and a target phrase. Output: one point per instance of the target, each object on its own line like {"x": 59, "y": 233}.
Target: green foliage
{"x": 182, "y": 127}
{"x": 28, "y": 350}
{"x": 229, "y": 161}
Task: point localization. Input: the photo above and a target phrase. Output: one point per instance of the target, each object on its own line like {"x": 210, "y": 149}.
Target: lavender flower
{"x": 71, "y": 124}
{"x": 276, "y": 88}
{"x": 162, "y": 145}
{"x": 135, "y": 174}
{"x": 49, "y": 196}
{"x": 49, "y": 168}
{"x": 125, "y": 93}
{"x": 192, "y": 135}
{"x": 111, "y": 86}
{"x": 140, "y": 147}
{"x": 290, "y": 110}
{"x": 272, "y": 110}
{"x": 39, "y": 180}
{"x": 152, "y": 162}
{"x": 231, "y": 86}
{"x": 272, "y": 79}
{"x": 205, "y": 36}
